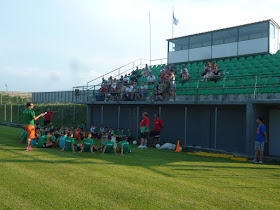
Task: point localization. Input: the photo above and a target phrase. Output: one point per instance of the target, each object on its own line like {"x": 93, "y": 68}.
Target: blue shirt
{"x": 62, "y": 141}
{"x": 260, "y": 131}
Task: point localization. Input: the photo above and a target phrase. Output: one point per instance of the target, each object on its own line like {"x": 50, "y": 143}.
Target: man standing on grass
{"x": 29, "y": 117}
{"x": 144, "y": 129}
{"x": 48, "y": 116}
{"x": 261, "y": 138}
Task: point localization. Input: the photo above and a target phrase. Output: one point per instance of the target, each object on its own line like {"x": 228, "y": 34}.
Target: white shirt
{"x": 114, "y": 85}
{"x": 144, "y": 87}
{"x": 151, "y": 78}
{"x": 127, "y": 89}
{"x": 126, "y": 79}
{"x": 187, "y": 71}
{"x": 102, "y": 129}
{"x": 131, "y": 89}
{"x": 92, "y": 129}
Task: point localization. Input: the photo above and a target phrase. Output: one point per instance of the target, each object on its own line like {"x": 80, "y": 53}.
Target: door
{"x": 274, "y": 132}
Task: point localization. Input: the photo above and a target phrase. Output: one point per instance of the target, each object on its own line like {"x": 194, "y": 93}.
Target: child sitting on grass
{"x": 124, "y": 146}
{"x": 51, "y": 137}
{"x": 128, "y": 135}
{"x": 118, "y": 135}
{"x": 61, "y": 140}
{"x": 69, "y": 143}
{"x": 23, "y": 136}
{"x": 43, "y": 141}
{"x": 88, "y": 144}
{"x": 109, "y": 146}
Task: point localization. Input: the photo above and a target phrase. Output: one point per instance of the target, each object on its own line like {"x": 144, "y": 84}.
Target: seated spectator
{"x": 128, "y": 135}
{"x": 216, "y": 75}
{"x": 104, "y": 81}
{"x": 143, "y": 91}
{"x": 126, "y": 95}
{"x": 208, "y": 75}
{"x": 214, "y": 64}
{"x": 110, "y": 80}
{"x": 207, "y": 66}
{"x": 108, "y": 146}
{"x": 161, "y": 70}
{"x": 121, "y": 80}
{"x": 151, "y": 79}
{"x": 123, "y": 92}
{"x": 158, "y": 93}
{"x": 126, "y": 79}
{"x": 118, "y": 135}
{"x": 147, "y": 69}
{"x": 132, "y": 91}
{"x": 173, "y": 67}
{"x": 144, "y": 73}
{"x": 185, "y": 75}
{"x": 165, "y": 89}
{"x": 133, "y": 78}
{"x": 124, "y": 146}
{"x": 114, "y": 93}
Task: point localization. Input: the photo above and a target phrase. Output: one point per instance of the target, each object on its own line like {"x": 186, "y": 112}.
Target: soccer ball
{"x": 157, "y": 146}
{"x": 134, "y": 142}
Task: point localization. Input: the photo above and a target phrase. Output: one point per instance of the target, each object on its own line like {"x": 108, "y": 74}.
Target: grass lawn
{"x": 144, "y": 179}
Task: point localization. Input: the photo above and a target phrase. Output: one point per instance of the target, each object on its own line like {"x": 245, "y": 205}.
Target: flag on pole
{"x": 175, "y": 20}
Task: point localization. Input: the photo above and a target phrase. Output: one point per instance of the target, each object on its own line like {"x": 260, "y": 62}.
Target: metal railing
{"x": 194, "y": 87}
{"x": 129, "y": 67}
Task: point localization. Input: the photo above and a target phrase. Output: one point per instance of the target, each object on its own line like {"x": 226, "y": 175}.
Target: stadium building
{"x": 213, "y": 115}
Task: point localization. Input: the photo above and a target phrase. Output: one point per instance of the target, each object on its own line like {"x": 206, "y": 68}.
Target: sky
{"x": 53, "y": 45}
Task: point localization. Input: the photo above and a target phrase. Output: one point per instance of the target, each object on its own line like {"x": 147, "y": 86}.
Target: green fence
{"x": 65, "y": 115}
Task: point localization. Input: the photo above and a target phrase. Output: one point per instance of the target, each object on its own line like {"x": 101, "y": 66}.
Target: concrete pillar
{"x": 89, "y": 116}
{"x": 249, "y": 126}
{"x": 185, "y": 127}
{"x": 102, "y": 110}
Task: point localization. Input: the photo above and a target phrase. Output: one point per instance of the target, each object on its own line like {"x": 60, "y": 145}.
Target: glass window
{"x": 225, "y": 36}
{"x": 272, "y": 31}
{"x": 179, "y": 44}
{"x": 202, "y": 40}
{"x": 255, "y": 31}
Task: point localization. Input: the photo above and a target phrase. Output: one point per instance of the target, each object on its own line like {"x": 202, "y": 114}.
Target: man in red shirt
{"x": 156, "y": 130}
{"x": 47, "y": 119}
{"x": 144, "y": 130}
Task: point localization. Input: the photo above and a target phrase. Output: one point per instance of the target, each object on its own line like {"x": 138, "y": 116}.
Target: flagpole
{"x": 172, "y": 21}
{"x": 150, "y": 40}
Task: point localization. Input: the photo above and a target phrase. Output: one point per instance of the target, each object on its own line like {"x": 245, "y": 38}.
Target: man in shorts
{"x": 261, "y": 138}
{"x": 29, "y": 117}
{"x": 156, "y": 130}
{"x": 144, "y": 130}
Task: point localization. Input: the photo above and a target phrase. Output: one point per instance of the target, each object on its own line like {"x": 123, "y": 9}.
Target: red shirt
{"x": 157, "y": 124}
{"x": 144, "y": 122}
{"x": 48, "y": 115}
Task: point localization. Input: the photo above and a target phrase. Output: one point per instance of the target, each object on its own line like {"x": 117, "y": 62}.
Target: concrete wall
{"x": 208, "y": 126}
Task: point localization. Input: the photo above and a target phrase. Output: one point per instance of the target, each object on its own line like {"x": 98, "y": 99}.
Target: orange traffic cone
{"x": 178, "y": 147}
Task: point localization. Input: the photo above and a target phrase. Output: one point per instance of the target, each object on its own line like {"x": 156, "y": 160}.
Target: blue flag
{"x": 175, "y": 20}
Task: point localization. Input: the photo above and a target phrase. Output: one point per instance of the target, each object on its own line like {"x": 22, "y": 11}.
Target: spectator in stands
{"x": 123, "y": 92}
{"x": 110, "y": 80}
{"x": 132, "y": 91}
{"x": 173, "y": 67}
{"x": 151, "y": 79}
{"x": 172, "y": 85}
{"x": 136, "y": 73}
{"x": 163, "y": 74}
{"x": 133, "y": 78}
{"x": 143, "y": 91}
{"x": 214, "y": 64}
{"x": 147, "y": 69}
{"x": 144, "y": 73}
{"x": 126, "y": 79}
{"x": 158, "y": 92}
{"x": 185, "y": 75}
{"x": 208, "y": 75}
{"x": 165, "y": 89}
{"x": 216, "y": 74}
{"x": 100, "y": 96}
{"x": 161, "y": 70}
{"x": 156, "y": 130}
{"x": 207, "y": 66}
{"x": 144, "y": 129}
{"x": 121, "y": 80}
{"x": 104, "y": 81}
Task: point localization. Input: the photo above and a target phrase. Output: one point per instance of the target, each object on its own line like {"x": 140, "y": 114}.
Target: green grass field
{"x": 144, "y": 179}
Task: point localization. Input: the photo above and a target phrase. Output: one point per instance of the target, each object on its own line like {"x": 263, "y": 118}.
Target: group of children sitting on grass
{"x": 77, "y": 139}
